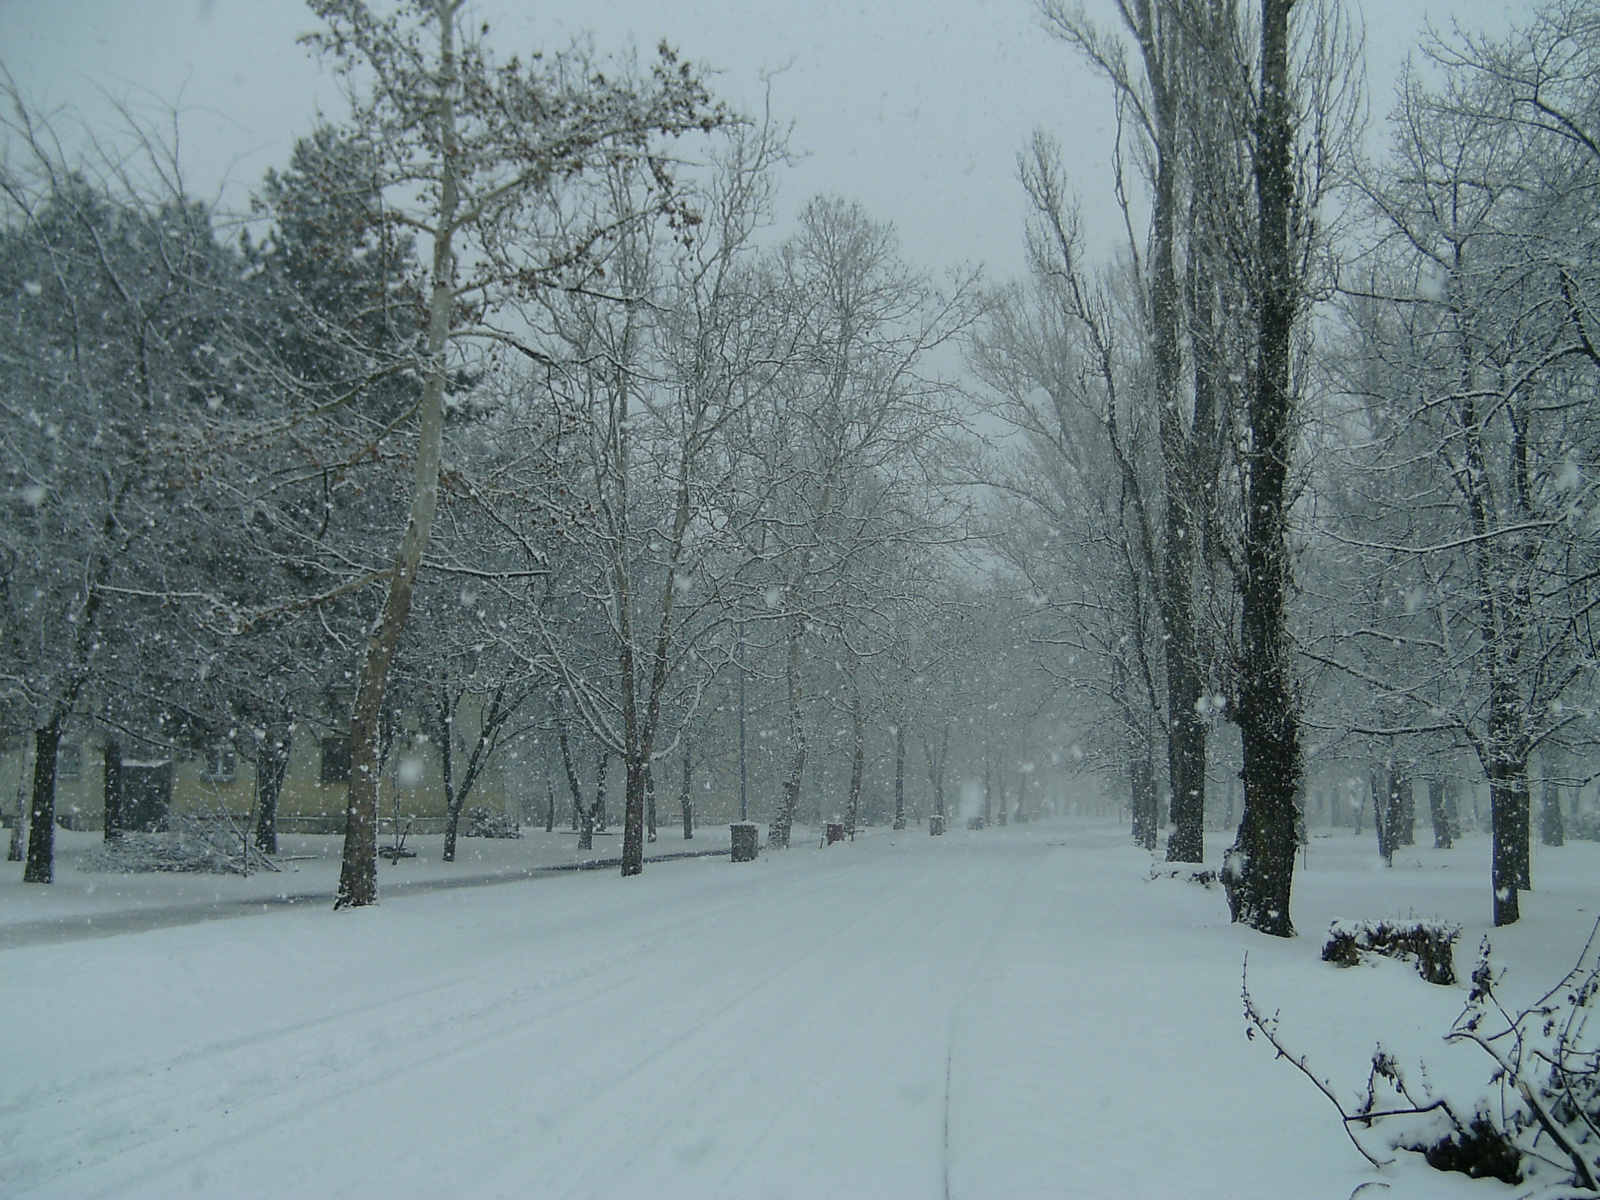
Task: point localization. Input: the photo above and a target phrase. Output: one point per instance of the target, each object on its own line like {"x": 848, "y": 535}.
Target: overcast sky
{"x": 915, "y": 108}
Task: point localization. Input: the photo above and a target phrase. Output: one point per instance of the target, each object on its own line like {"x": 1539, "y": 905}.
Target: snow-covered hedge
{"x": 1429, "y": 944}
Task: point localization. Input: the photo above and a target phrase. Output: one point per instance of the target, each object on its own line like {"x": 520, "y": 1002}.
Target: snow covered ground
{"x": 1011, "y": 1012}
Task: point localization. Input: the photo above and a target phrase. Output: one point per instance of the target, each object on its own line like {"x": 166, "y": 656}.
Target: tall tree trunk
{"x": 445, "y": 729}
{"x": 858, "y": 765}
{"x": 113, "y": 790}
{"x": 586, "y": 828}
{"x": 1508, "y": 798}
{"x": 1186, "y": 741}
{"x": 1406, "y": 832}
{"x": 686, "y": 795}
{"x": 1443, "y": 836}
{"x": 272, "y": 767}
{"x": 550, "y": 810}
{"x": 572, "y": 776}
{"x": 1260, "y": 871}
{"x": 900, "y": 775}
{"x": 1383, "y": 823}
{"x": 358, "y": 874}
{"x": 1142, "y": 782}
{"x": 778, "y": 834}
{"x": 1552, "y": 829}
{"x": 40, "y": 865}
{"x": 650, "y": 804}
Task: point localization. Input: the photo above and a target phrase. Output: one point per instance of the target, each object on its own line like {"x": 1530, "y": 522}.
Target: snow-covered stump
{"x": 746, "y": 839}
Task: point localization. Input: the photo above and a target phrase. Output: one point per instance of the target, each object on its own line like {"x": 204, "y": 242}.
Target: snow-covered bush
{"x": 1546, "y": 1068}
{"x": 1184, "y": 871}
{"x": 204, "y": 847}
{"x": 1429, "y": 944}
{"x": 486, "y": 823}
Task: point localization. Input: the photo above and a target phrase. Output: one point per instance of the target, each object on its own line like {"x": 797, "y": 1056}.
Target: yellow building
{"x": 221, "y": 783}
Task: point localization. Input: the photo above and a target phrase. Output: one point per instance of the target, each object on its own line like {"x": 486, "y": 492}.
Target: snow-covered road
{"x": 1013, "y": 1012}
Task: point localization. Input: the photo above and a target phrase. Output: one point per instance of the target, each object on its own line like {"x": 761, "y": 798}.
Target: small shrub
{"x": 1480, "y": 1151}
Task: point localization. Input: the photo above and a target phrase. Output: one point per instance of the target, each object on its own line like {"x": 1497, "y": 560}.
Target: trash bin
{"x": 746, "y": 840}
{"x": 936, "y": 825}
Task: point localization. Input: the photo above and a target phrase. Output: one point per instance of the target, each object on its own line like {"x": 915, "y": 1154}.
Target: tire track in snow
{"x": 829, "y": 957}
{"x": 311, "y": 1081}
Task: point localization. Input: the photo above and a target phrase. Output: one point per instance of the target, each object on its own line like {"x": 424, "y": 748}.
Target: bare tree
{"x": 471, "y": 153}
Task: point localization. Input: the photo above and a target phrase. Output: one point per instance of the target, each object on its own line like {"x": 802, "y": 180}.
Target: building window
{"x": 222, "y": 764}
{"x": 336, "y": 759}
{"x": 69, "y": 761}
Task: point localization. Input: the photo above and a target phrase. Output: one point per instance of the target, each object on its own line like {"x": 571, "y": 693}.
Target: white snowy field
{"x": 1011, "y": 1012}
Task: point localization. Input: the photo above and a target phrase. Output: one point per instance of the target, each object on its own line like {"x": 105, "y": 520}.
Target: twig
{"x": 1253, "y": 1015}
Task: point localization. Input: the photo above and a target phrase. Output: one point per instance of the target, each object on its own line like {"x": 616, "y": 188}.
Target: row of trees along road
{"x": 510, "y": 411}
{"x": 1306, "y": 472}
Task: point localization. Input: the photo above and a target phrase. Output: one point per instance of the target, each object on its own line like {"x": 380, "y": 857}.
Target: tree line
{"x": 506, "y": 395}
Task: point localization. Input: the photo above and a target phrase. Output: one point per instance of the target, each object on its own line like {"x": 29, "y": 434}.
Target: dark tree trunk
{"x": 686, "y": 795}
{"x": 1552, "y": 829}
{"x": 1186, "y": 741}
{"x": 40, "y": 865}
{"x": 1142, "y": 781}
{"x": 900, "y": 775}
{"x": 1406, "y": 833}
{"x": 1508, "y": 818}
{"x": 1260, "y": 874}
{"x": 858, "y": 767}
{"x": 272, "y": 768}
{"x": 588, "y": 816}
{"x": 650, "y": 804}
{"x": 635, "y": 789}
{"x": 1383, "y": 812}
{"x": 113, "y": 790}
{"x": 1452, "y": 807}
{"x": 782, "y": 827}
{"x": 1443, "y": 838}
{"x": 572, "y": 774}
{"x": 550, "y": 809}
{"x": 447, "y": 764}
